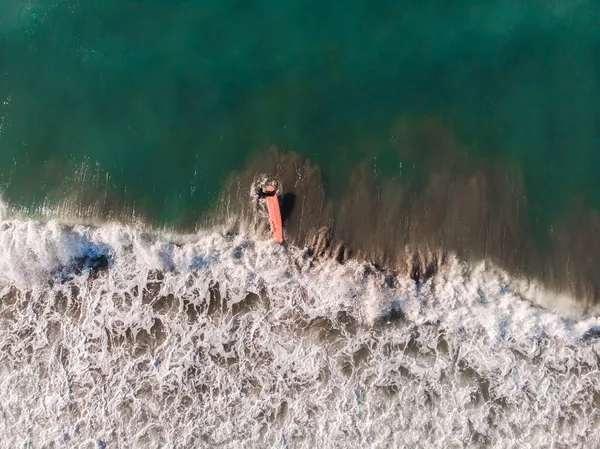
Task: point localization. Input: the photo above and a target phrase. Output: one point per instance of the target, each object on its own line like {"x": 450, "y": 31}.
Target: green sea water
{"x": 159, "y": 101}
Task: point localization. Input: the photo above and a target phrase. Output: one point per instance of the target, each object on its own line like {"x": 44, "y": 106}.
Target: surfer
{"x": 270, "y": 193}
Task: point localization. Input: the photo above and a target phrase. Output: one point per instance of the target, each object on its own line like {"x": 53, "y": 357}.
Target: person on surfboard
{"x": 270, "y": 191}
{"x": 274, "y": 211}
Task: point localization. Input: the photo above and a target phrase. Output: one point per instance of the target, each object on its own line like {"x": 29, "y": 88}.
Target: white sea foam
{"x": 303, "y": 354}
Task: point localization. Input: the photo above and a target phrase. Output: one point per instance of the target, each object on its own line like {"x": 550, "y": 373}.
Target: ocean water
{"x": 437, "y": 171}
{"x": 127, "y": 338}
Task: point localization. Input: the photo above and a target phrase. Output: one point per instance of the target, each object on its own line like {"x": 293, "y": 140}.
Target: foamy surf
{"x": 121, "y": 337}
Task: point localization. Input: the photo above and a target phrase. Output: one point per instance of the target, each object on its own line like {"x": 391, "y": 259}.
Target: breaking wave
{"x": 114, "y": 335}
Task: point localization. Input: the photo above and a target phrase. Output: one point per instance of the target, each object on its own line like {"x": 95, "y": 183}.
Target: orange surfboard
{"x": 274, "y": 214}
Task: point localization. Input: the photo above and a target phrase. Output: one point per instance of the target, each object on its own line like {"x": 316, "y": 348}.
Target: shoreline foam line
{"x": 118, "y": 334}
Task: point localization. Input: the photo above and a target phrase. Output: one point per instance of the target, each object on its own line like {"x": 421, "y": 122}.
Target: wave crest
{"x": 147, "y": 338}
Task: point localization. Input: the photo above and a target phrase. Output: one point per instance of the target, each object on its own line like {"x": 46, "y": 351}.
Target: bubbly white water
{"x": 234, "y": 341}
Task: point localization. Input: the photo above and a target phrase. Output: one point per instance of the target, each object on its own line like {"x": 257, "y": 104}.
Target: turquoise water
{"x": 155, "y": 106}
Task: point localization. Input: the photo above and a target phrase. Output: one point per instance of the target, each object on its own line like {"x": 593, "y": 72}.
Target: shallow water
{"x": 475, "y": 127}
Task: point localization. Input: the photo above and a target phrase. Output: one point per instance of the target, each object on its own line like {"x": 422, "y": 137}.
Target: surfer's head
{"x": 267, "y": 191}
